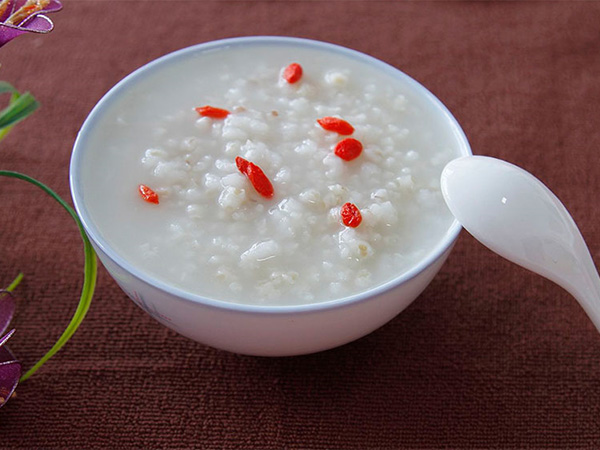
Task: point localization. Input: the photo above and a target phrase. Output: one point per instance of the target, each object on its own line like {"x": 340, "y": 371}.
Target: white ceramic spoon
{"x": 515, "y": 215}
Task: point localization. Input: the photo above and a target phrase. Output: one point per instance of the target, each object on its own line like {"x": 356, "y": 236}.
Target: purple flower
{"x": 10, "y": 368}
{"x": 20, "y": 16}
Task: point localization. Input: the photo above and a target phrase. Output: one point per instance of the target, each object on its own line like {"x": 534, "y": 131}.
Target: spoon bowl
{"x": 515, "y": 215}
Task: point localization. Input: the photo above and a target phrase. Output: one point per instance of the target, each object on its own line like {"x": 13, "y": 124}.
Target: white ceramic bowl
{"x": 256, "y": 329}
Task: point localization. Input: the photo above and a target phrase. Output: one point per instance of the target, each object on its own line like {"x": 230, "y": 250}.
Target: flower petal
{"x": 52, "y": 6}
{"x": 7, "y": 309}
{"x": 3, "y": 341}
{"x": 36, "y": 23}
{"x": 10, "y": 372}
{"x": 9, "y": 33}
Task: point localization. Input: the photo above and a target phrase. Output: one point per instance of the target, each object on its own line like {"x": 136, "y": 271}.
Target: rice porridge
{"x": 338, "y": 218}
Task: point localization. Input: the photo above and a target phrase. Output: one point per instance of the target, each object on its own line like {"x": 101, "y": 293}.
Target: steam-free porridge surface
{"x": 212, "y": 234}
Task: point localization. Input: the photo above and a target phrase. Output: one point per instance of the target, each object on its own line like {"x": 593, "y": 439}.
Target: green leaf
{"x": 18, "y": 109}
{"x": 7, "y": 87}
{"x": 89, "y": 277}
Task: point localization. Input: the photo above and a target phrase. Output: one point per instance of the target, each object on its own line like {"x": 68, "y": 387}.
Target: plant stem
{"x": 89, "y": 280}
{"x": 15, "y": 282}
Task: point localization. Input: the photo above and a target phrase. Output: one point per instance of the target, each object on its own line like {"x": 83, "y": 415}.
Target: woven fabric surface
{"x": 489, "y": 356}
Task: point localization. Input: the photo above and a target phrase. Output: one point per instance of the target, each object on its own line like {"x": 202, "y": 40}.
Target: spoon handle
{"x": 587, "y": 292}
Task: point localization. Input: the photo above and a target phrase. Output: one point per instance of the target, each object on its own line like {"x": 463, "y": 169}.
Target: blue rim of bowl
{"x": 78, "y": 149}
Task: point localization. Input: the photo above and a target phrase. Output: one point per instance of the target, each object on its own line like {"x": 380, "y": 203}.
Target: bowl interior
{"x": 82, "y": 152}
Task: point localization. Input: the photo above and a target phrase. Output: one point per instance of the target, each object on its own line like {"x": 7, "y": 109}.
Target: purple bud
{"x": 36, "y": 22}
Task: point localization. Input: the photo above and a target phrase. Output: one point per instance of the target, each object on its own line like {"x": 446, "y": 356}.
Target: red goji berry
{"x": 260, "y": 181}
{"x": 211, "y": 111}
{"x": 351, "y": 215}
{"x": 257, "y": 177}
{"x": 148, "y": 194}
{"x": 241, "y": 164}
{"x": 337, "y": 125}
{"x": 292, "y": 73}
{"x": 348, "y": 149}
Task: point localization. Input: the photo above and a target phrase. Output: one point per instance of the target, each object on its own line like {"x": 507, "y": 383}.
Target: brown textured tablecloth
{"x": 490, "y": 356}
